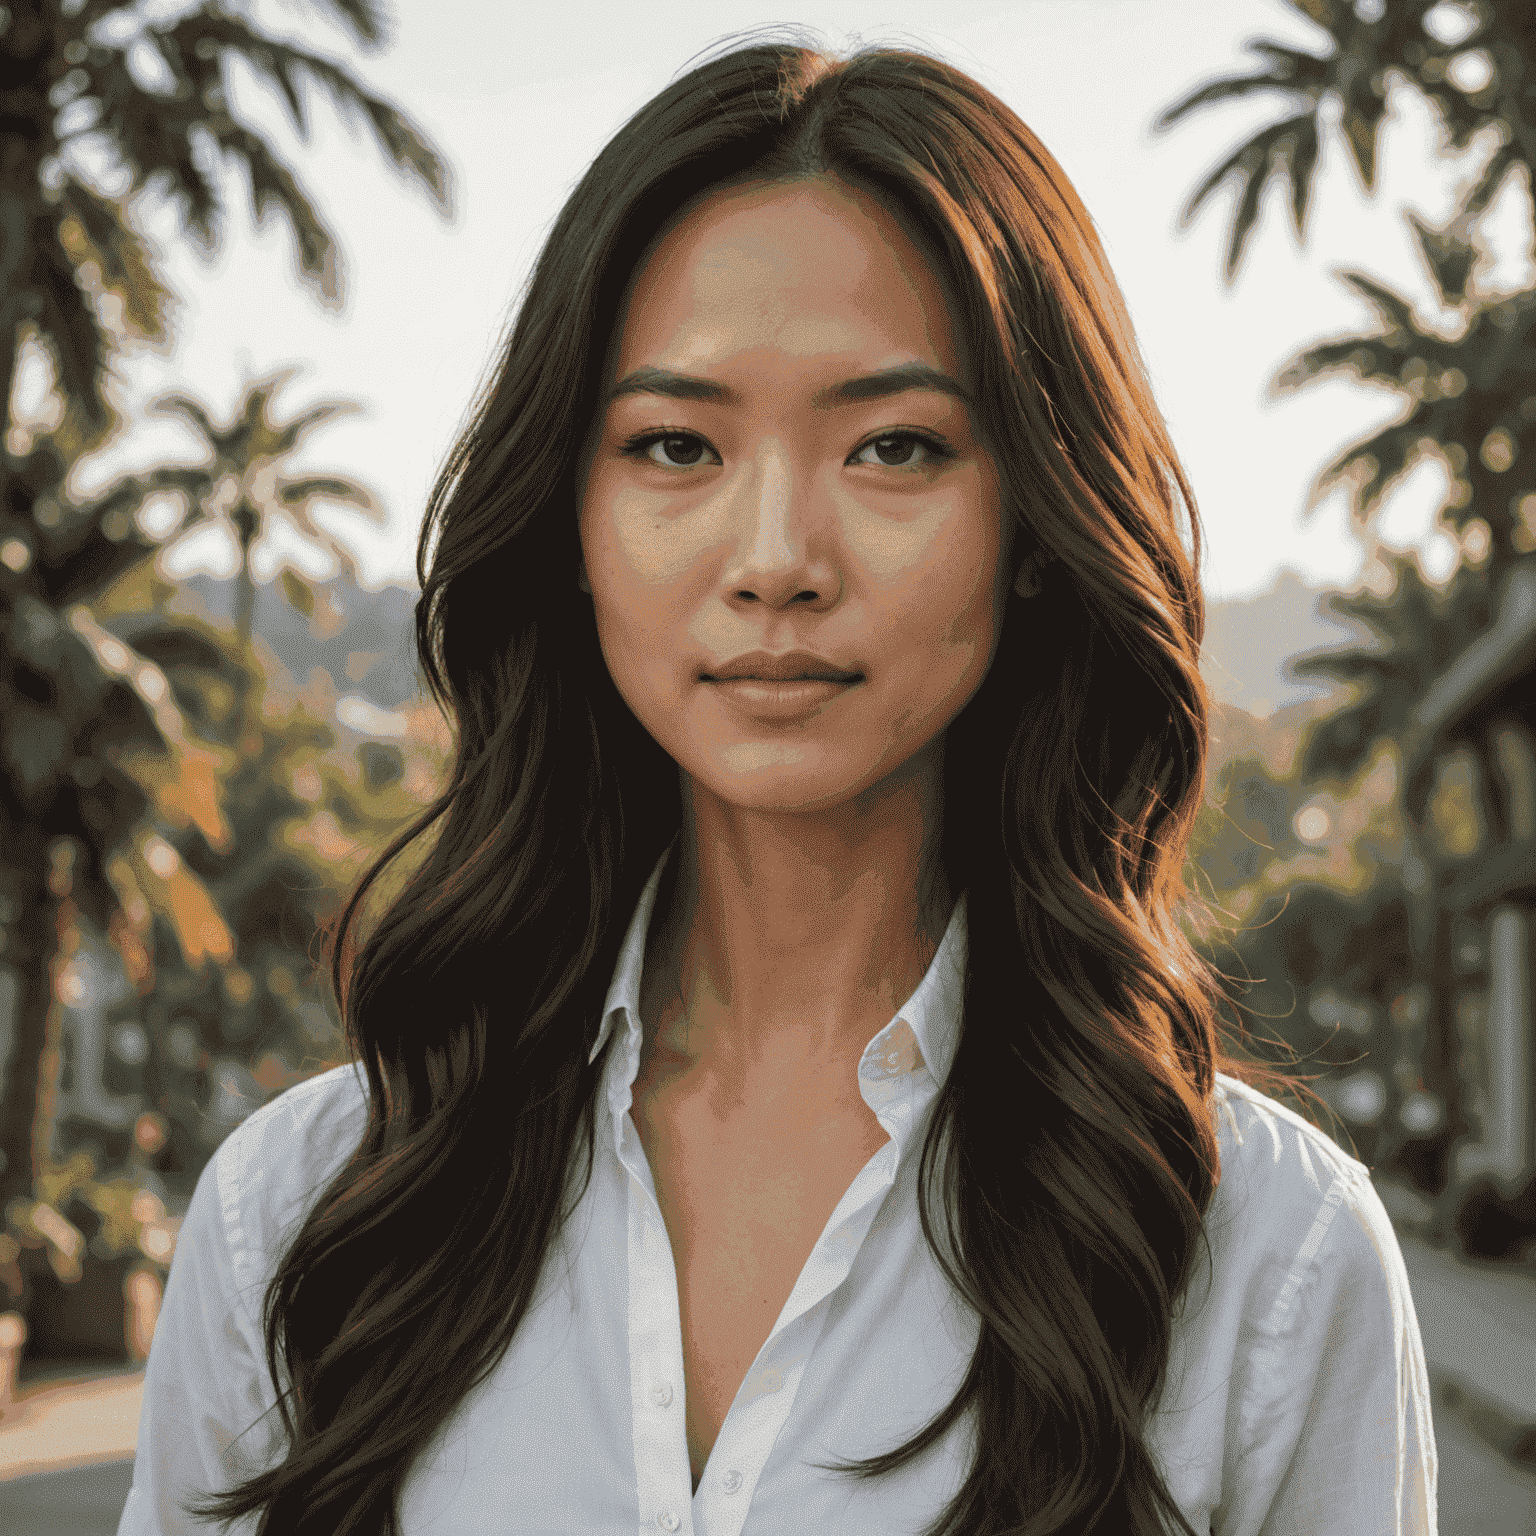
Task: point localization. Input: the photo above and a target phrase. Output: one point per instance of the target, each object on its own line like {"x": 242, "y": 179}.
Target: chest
{"x": 744, "y": 1197}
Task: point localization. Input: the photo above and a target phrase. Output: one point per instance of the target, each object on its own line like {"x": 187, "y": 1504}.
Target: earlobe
{"x": 1027, "y": 582}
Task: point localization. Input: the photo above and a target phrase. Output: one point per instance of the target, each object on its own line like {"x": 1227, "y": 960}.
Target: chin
{"x": 766, "y": 776}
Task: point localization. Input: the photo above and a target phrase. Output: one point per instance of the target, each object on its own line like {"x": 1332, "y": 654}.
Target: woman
{"x": 791, "y": 1099}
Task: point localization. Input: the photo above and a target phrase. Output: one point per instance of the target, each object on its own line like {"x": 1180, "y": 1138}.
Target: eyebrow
{"x": 869, "y": 386}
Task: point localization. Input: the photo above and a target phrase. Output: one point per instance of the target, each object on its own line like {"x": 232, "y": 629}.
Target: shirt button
{"x": 667, "y": 1520}
{"x": 731, "y": 1481}
{"x": 661, "y": 1395}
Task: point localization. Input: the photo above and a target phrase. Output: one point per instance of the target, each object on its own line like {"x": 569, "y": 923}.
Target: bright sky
{"x": 518, "y": 99}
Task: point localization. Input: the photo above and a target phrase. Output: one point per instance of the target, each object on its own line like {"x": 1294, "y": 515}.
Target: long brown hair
{"x": 1073, "y": 1143}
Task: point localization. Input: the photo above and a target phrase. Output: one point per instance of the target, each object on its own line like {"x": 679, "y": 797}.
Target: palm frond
{"x": 274, "y": 188}
{"x": 298, "y": 592}
{"x": 366, "y": 18}
{"x": 1448, "y": 256}
{"x": 412, "y": 155}
{"x": 121, "y": 253}
{"x": 293, "y": 432}
{"x": 1492, "y": 178}
{"x": 1373, "y": 466}
{"x": 1290, "y": 69}
{"x": 126, "y": 495}
{"x": 282, "y": 63}
{"x": 1352, "y": 664}
{"x": 297, "y": 494}
{"x": 160, "y": 136}
{"x": 1370, "y": 359}
{"x": 192, "y": 410}
{"x": 1377, "y": 358}
{"x": 1253, "y": 162}
{"x": 1360, "y": 132}
{"x": 156, "y": 146}
{"x": 1394, "y": 310}
{"x": 1338, "y": 745}
{"x": 1302, "y": 164}
{"x": 1332, "y": 15}
{"x": 70, "y": 330}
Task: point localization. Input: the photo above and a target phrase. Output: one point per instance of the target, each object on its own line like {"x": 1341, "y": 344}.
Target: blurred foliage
{"x": 1432, "y": 46}
{"x": 122, "y": 805}
{"x": 1418, "y": 628}
{"x": 243, "y": 487}
{"x": 304, "y": 811}
{"x": 112, "y": 82}
{"x": 263, "y": 819}
{"x": 1344, "y": 942}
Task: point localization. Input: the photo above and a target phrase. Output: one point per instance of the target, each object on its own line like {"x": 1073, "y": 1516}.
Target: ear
{"x": 1027, "y": 582}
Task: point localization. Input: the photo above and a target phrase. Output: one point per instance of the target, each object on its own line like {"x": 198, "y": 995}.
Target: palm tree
{"x": 1468, "y": 381}
{"x": 69, "y": 93}
{"x": 1420, "y": 629}
{"x": 1418, "y": 41}
{"x": 75, "y": 700}
{"x": 244, "y": 489}
{"x": 1465, "y": 380}
{"x": 1467, "y": 398}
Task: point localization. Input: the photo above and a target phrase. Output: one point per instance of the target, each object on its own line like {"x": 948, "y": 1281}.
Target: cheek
{"x": 636, "y": 568}
{"x": 939, "y": 599}
{"x": 635, "y": 549}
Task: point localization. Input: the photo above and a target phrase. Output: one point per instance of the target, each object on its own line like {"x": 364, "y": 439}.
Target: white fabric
{"x": 1297, "y": 1403}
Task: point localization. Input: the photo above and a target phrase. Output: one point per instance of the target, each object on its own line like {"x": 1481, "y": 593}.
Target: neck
{"x": 789, "y": 939}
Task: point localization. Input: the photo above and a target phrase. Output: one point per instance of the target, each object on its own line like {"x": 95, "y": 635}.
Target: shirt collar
{"x": 932, "y": 1012}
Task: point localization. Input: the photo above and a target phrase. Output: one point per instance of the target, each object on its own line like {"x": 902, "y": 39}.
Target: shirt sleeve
{"x": 205, "y": 1384}
{"x": 1338, "y": 1438}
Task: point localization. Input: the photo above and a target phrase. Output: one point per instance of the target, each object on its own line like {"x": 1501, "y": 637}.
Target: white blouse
{"x": 1297, "y": 1400}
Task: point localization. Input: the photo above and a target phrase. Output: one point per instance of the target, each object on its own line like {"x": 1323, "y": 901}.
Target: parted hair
{"x": 1071, "y": 1156}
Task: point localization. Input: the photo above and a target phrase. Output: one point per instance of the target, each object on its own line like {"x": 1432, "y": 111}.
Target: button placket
{"x": 655, "y": 1349}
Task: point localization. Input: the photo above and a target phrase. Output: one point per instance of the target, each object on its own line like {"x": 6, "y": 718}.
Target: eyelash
{"x": 635, "y": 447}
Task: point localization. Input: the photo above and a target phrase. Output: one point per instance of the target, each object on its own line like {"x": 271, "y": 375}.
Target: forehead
{"x": 803, "y": 269}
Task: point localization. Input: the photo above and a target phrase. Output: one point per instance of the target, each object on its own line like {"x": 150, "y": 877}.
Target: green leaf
{"x": 1448, "y": 255}
{"x": 288, "y": 437}
{"x": 1489, "y": 182}
{"x": 364, "y": 16}
{"x": 1393, "y": 308}
{"x": 297, "y": 493}
{"x": 34, "y": 744}
{"x": 70, "y": 331}
{"x": 1360, "y": 135}
{"x": 274, "y": 188}
{"x": 301, "y": 597}
{"x": 184, "y": 405}
{"x": 280, "y": 62}
{"x": 1303, "y": 166}
{"x": 123, "y": 256}
{"x": 1252, "y": 162}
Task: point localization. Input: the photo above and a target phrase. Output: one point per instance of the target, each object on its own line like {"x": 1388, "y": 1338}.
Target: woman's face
{"x": 751, "y": 485}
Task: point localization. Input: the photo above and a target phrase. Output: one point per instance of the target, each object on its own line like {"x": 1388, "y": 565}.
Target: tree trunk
{"x": 39, "y": 944}
{"x": 246, "y": 522}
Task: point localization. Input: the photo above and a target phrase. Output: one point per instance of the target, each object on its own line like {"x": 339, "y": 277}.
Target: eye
{"x": 900, "y": 447}
{"x": 684, "y": 450}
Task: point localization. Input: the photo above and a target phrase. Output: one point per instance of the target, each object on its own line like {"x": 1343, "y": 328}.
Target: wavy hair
{"x": 1072, "y": 1148}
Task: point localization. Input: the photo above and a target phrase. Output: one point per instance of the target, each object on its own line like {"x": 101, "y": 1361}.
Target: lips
{"x": 785, "y": 667}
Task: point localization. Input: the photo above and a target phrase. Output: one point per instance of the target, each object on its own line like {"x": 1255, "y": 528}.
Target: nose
{"x": 783, "y": 551}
